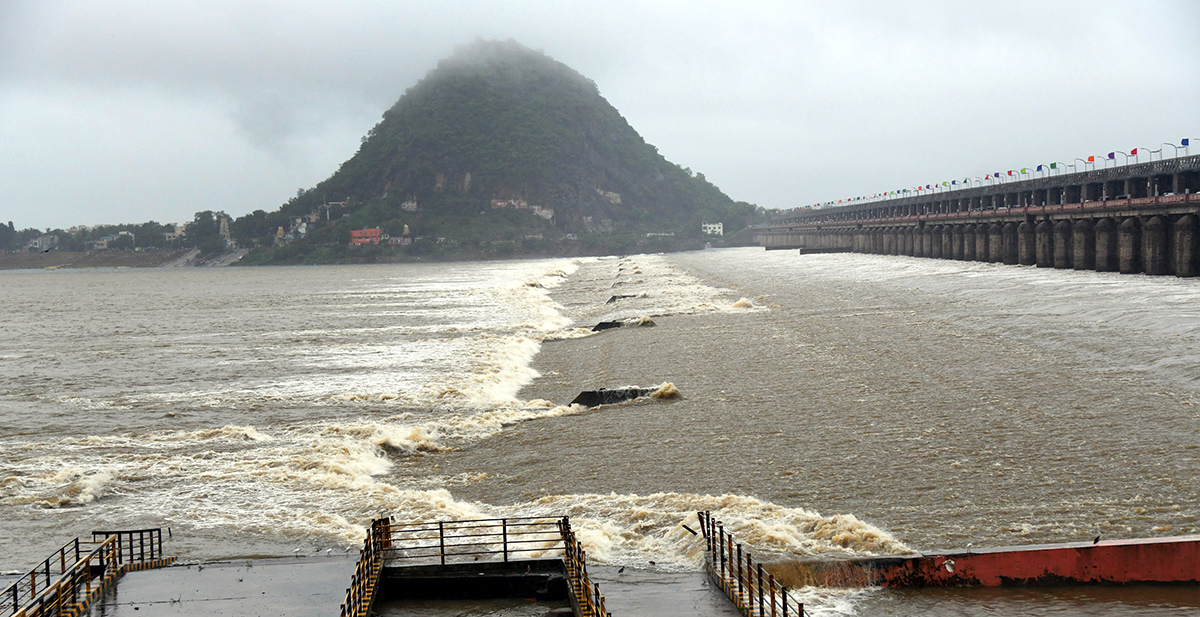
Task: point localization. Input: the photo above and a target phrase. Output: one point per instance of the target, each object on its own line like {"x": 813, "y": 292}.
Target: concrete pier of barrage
{"x": 1139, "y": 218}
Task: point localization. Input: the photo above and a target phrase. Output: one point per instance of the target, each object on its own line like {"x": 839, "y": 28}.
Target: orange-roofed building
{"x": 370, "y": 235}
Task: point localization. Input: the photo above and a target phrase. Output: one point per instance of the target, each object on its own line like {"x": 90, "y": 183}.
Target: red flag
{"x": 1091, "y": 159}
{"x": 1133, "y": 152}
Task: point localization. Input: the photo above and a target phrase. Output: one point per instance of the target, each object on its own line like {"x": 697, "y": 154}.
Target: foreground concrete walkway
{"x": 295, "y": 587}
{"x": 662, "y": 594}
{"x": 315, "y": 587}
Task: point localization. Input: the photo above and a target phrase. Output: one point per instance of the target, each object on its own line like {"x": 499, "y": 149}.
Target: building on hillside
{"x": 410, "y": 204}
{"x": 610, "y": 197}
{"x": 519, "y": 204}
{"x": 369, "y": 235}
{"x": 713, "y": 229}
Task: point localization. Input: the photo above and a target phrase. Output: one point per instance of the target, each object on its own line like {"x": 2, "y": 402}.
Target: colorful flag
{"x": 1053, "y": 165}
{"x": 1133, "y": 152}
{"x": 1091, "y": 159}
{"x": 1112, "y": 155}
{"x": 1184, "y": 143}
{"x": 1025, "y": 170}
{"x": 1039, "y": 168}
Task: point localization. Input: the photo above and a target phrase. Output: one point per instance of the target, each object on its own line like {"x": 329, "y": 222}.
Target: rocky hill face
{"x": 500, "y": 126}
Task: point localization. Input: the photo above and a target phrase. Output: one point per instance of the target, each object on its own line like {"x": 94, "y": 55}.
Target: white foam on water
{"x": 67, "y": 487}
{"x": 830, "y": 601}
{"x": 632, "y": 530}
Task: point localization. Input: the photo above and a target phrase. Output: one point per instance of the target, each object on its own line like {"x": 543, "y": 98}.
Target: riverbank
{"x": 88, "y": 259}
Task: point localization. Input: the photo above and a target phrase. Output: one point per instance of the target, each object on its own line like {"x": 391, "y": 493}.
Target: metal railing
{"x": 84, "y": 571}
{"x": 753, "y": 591}
{"x": 133, "y": 547}
{"x": 39, "y": 577}
{"x": 364, "y": 583}
{"x": 587, "y": 594}
{"x": 1095, "y": 176}
{"x": 483, "y": 540}
{"x": 499, "y": 539}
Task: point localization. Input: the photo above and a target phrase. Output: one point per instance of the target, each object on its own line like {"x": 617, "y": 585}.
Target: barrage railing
{"x": 587, "y": 594}
{"x": 752, "y": 590}
{"x": 364, "y": 583}
{"x": 136, "y": 546}
{"x": 483, "y": 540}
{"x": 497, "y": 539}
{"x": 40, "y": 577}
{"x": 85, "y": 569}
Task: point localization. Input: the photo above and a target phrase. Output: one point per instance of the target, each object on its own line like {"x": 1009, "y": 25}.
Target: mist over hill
{"x": 500, "y": 150}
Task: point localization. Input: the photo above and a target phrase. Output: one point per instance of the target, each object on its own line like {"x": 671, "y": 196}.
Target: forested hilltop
{"x": 500, "y": 150}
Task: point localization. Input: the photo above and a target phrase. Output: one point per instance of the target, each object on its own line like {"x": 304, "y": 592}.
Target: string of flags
{"x": 1010, "y": 175}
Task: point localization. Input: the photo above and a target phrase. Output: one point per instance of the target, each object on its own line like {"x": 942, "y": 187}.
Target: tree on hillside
{"x": 204, "y": 233}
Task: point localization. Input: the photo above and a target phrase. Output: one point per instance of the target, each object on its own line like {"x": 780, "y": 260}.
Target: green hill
{"x": 499, "y": 122}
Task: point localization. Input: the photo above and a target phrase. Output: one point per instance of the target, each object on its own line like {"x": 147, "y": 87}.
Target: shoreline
{"x": 76, "y": 260}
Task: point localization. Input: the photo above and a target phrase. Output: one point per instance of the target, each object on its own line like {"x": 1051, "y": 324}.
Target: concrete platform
{"x": 315, "y": 587}
{"x": 309, "y": 587}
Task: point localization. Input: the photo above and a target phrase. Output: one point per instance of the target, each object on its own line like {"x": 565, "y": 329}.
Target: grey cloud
{"x": 779, "y": 103}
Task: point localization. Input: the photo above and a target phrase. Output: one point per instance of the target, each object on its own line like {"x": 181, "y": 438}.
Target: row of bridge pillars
{"x": 1151, "y": 245}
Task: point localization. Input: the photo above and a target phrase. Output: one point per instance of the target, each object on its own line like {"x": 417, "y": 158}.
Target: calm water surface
{"x": 831, "y": 405}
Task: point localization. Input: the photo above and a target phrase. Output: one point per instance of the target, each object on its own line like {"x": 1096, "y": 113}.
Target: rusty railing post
{"x": 760, "y": 588}
{"x": 750, "y": 583}
{"x": 722, "y": 552}
{"x": 772, "y": 581}
{"x": 741, "y": 586}
{"x": 442, "y": 540}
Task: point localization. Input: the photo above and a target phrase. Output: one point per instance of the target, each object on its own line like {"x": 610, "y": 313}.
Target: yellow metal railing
{"x": 587, "y": 594}
{"x": 753, "y": 591}
{"x": 26, "y": 588}
{"x": 364, "y": 583}
{"x": 81, "y": 576}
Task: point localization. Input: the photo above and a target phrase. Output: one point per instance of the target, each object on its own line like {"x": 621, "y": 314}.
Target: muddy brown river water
{"x": 830, "y": 405}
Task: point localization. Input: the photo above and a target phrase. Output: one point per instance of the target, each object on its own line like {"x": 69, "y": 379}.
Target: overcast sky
{"x": 136, "y": 110}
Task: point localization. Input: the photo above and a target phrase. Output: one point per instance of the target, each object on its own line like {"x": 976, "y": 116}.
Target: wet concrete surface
{"x": 294, "y": 587}
{"x": 316, "y": 587}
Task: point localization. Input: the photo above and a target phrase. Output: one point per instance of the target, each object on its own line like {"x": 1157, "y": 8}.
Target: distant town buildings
{"x": 102, "y": 243}
{"x": 41, "y": 244}
{"x": 713, "y": 229}
{"x": 521, "y": 204}
{"x": 172, "y": 236}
